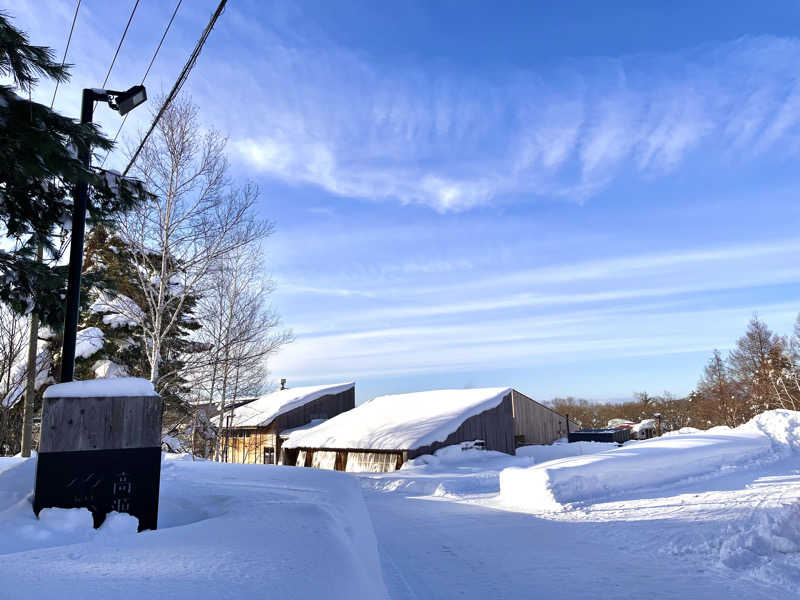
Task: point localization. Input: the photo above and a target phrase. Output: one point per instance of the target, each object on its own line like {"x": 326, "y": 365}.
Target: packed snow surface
{"x": 401, "y": 421}
{"x": 726, "y": 531}
{"x": 654, "y": 462}
{"x": 263, "y": 410}
{"x": 225, "y": 531}
{"x": 101, "y": 388}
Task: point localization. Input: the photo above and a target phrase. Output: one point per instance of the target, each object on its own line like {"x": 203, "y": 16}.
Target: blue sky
{"x": 568, "y": 198}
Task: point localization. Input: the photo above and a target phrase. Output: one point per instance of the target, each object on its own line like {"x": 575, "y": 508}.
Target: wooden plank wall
{"x": 246, "y": 445}
{"x": 535, "y": 423}
{"x": 325, "y": 407}
{"x": 494, "y": 426}
{"x": 70, "y": 424}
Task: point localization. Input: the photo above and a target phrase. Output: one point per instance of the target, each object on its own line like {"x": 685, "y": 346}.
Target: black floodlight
{"x": 130, "y": 99}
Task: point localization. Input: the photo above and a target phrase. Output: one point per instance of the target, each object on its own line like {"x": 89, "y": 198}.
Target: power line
{"x": 64, "y": 58}
{"x": 152, "y": 60}
{"x": 146, "y": 73}
{"x": 122, "y": 39}
{"x": 179, "y": 82}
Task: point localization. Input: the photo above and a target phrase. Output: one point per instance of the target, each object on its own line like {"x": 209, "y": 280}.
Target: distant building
{"x": 638, "y": 431}
{"x": 644, "y": 430}
{"x": 382, "y": 434}
{"x": 255, "y": 432}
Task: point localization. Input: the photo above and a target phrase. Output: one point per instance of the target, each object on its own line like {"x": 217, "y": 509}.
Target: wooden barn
{"x": 382, "y": 434}
{"x": 257, "y": 430}
{"x": 536, "y": 423}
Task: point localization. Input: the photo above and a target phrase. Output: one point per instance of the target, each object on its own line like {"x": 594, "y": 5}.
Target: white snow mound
{"x": 651, "y": 463}
{"x": 224, "y": 531}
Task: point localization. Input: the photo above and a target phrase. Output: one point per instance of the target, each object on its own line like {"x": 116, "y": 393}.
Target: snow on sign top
{"x": 101, "y": 388}
{"x": 400, "y": 422}
{"x": 262, "y": 412}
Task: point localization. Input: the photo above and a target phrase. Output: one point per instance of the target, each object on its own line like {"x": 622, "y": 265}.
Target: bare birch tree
{"x": 240, "y": 330}
{"x": 196, "y": 219}
{"x": 13, "y": 338}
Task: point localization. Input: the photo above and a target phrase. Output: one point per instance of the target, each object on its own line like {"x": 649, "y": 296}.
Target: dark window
{"x": 269, "y": 456}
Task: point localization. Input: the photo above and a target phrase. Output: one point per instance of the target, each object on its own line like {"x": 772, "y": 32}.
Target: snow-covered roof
{"x": 401, "y": 421}
{"x": 101, "y": 388}
{"x": 286, "y": 433}
{"x": 262, "y": 411}
{"x": 643, "y": 425}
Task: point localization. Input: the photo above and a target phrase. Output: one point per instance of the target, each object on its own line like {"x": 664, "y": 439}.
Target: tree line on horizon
{"x": 760, "y": 373}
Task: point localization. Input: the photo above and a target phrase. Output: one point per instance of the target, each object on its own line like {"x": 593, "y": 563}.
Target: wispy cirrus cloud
{"x": 452, "y": 141}
{"x": 304, "y": 110}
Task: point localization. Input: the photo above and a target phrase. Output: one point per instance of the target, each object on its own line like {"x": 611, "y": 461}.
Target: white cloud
{"x": 303, "y": 110}
{"x": 331, "y": 118}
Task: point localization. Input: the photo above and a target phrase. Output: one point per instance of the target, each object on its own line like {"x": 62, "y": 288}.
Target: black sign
{"x": 102, "y": 481}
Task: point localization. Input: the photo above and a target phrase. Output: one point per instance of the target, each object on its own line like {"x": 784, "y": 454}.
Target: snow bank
{"x": 101, "y": 388}
{"x": 402, "y": 421}
{"x": 562, "y": 449}
{"x": 650, "y": 463}
{"x": 458, "y": 472}
{"x": 263, "y": 410}
{"x": 225, "y": 531}
{"x": 681, "y": 431}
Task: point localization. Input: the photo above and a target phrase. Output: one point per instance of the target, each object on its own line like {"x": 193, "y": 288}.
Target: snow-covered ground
{"x": 694, "y": 515}
{"x": 455, "y": 472}
{"x": 225, "y": 531}
{"x": 712, "y": 514}
{"x": 651, "y": 463}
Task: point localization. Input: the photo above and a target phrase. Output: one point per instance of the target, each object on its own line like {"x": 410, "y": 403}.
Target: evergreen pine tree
{"x": 39, "y": 170}
{"x": 117, "y": 311}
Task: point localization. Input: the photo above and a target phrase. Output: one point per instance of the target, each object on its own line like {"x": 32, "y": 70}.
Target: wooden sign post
{"x": 100, "y": 449}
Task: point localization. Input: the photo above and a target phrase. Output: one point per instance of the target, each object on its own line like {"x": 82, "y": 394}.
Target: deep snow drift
{"x": 461, "y": 471}
{"x": 651, "y": 463}
{"x": 225, "y": 531}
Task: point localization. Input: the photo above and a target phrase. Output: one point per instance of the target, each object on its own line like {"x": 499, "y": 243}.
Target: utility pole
{"x": 123, "y": 102}
{"x": 79, "y": 206}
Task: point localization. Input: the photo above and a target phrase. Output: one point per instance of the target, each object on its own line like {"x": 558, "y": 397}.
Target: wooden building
{"x": 536, "y": 423}
{"x": 382, "y": 434}
{"x": 257, "y": 430}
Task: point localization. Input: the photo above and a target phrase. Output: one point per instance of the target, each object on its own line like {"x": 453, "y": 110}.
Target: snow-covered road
{"x": 663, "y": 544}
